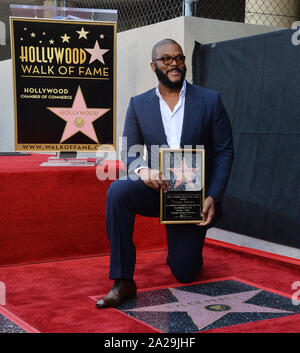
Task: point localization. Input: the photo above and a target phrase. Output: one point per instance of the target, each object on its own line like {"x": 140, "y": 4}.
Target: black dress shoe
{"x": 122, "y": 289}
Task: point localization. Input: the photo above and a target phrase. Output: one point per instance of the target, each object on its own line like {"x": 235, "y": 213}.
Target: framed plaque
{"x": 184, "y": 199}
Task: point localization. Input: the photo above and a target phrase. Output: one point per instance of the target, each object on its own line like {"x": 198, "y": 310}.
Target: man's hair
{"x": 160, "y": 43}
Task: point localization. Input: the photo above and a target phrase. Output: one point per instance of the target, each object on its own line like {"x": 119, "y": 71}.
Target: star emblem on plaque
{"x": 183, "y": 174}
{"x": 64, "y": 84}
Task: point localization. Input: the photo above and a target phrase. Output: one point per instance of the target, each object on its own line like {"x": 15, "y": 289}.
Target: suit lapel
{"x": 191, "y": 116}
{"x": 192, "y": 111}
{"x": 158, "y": 127}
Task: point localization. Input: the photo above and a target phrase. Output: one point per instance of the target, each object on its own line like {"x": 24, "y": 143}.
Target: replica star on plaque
{"x": 79, "y": 118}
{"x": 183, "y": 174}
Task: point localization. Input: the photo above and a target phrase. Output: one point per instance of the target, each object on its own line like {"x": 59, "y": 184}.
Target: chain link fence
{"x": 281, "y": 13}
{"x": 137, "y": 13}
{"x": 134, "y": 13}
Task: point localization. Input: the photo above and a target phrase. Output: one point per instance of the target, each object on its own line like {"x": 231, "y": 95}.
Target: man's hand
{"x": 208, "y": 212}
{"x": 153, "y": 179}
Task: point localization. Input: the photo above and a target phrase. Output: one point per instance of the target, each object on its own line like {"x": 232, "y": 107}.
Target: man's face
{"x": 171, "y": 75}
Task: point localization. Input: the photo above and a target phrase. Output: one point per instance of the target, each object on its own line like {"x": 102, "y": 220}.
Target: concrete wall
{"x": 207, "y": 31}
{"x": 134, "y": 51}
{"x": 134, "y": 74}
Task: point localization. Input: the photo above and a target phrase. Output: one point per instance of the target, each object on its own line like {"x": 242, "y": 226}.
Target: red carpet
{"x": 56, "y": 296}
{"x": 53, "y": 213}
{"x": 54, "y": 263}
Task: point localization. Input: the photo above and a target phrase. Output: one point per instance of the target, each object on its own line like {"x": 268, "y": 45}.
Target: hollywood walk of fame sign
{"x": 184, "y": 199}
{"x": 208, "y": 305}
{"x": 64, "y": 84}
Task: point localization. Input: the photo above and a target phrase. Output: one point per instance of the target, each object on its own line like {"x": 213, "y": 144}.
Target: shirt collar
{"x": 182, "y": 91}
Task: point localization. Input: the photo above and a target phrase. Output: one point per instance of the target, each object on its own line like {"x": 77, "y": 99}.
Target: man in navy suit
{"x": 175, "y": 114}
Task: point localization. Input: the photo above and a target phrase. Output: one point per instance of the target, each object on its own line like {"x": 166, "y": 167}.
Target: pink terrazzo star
{"x": 79, "y": 117}
{"x": 205, "y": 310}
{"x": 96, "y": 53}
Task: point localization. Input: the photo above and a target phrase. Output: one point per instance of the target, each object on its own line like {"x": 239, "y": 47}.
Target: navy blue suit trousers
{"x": 125, "y": 199}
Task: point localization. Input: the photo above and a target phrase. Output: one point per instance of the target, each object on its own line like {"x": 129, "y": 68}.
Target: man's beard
{"x": 164, "y": 79}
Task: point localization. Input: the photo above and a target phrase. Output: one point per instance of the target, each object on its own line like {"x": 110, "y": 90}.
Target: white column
{"x": 188, "y": 8}
{"x": 2, "y": 33}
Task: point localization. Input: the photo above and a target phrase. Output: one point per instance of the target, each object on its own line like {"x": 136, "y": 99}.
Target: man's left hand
{"x": 208, "y": 212}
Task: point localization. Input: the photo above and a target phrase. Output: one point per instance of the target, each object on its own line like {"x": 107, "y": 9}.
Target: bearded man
{"x": 173, "y": 114}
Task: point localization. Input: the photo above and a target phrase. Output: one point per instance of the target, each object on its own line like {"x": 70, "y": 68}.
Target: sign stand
{"x": 78, "y": 65}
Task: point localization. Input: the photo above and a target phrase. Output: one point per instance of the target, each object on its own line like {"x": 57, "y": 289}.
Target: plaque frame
{"x": 44, "y": 15}
{"x": 182, "y": 151}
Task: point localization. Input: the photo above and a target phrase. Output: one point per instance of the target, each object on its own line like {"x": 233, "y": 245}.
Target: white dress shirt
{"x": 173, "y": 120}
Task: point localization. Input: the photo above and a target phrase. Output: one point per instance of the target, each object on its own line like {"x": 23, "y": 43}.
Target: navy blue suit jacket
{"x": 205, "y": 123}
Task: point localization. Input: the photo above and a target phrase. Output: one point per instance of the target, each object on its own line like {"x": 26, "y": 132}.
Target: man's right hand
{"x": 153, "y": 179}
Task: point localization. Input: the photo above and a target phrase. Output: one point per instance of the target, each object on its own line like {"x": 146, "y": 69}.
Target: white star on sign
{"x": 206, "y": 309}
{"x": 65, "y": 38}
{"x": 82, "y": 33}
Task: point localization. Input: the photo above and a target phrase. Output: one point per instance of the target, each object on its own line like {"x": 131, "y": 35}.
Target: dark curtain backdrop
{"x": 259, "y": 81}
